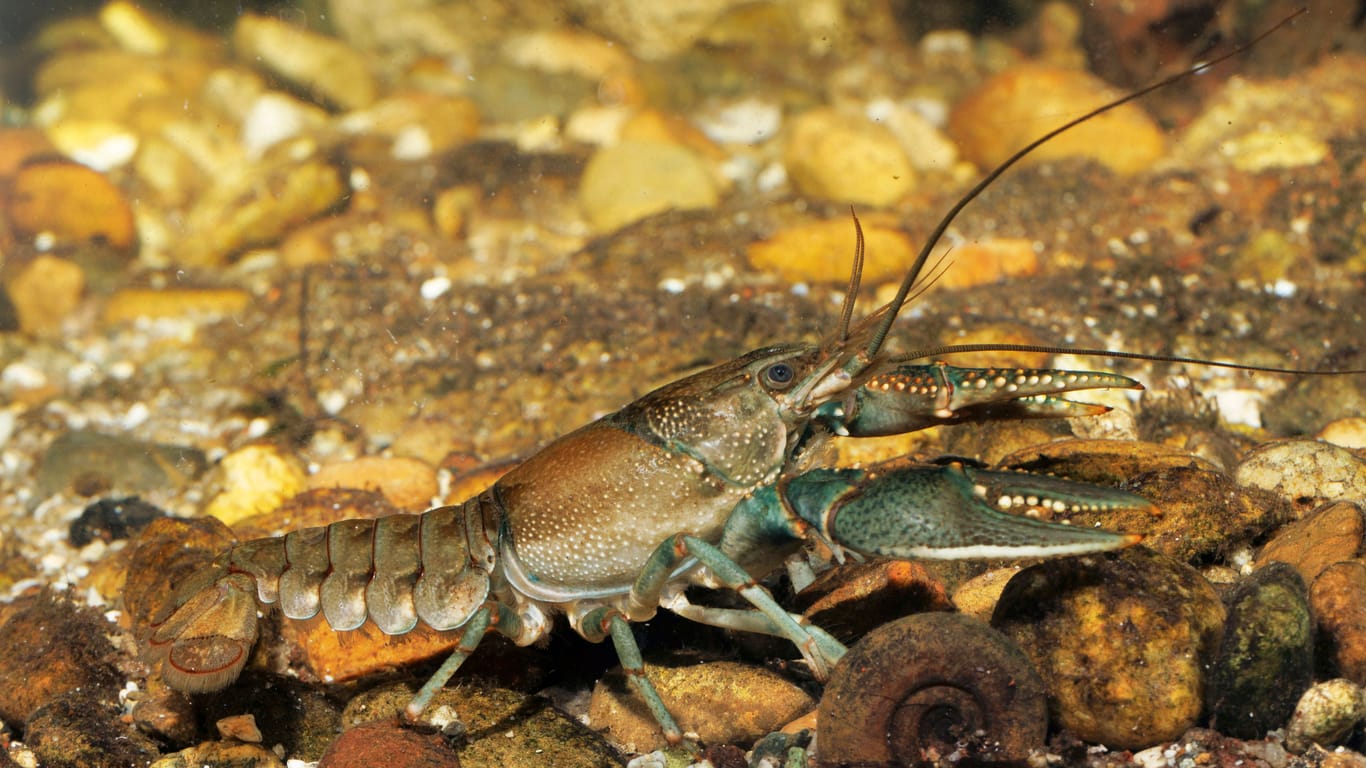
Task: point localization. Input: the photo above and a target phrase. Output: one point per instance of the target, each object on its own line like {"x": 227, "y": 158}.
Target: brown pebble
{"x": 853, "y": 599}
{"x": 71, "y": 201}
{"x": 1338, "y": 598}
{"x": 49, "y": 647}
{"x": 1123, "y": 640}
{"x": 18, "y": 146}
{"x": 317, "y": 507}
{"x": 45, "y": 292}
{"x": 390, "y": 744}
{"x": 1330, "y": 534}
{"x": 239, "y": 727}
{"x": 407, "y": 483}
{"x": 129, "y": 304}
{"x": 165, "y": 714}
{"x": 722, "y": 702}
{"x": 338, "y": 656}
{"x": 82, "y": 727}
{"x": 1002, "y": 115}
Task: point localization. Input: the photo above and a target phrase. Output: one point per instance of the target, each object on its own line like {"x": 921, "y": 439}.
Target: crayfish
{"x": 703, "y": 482}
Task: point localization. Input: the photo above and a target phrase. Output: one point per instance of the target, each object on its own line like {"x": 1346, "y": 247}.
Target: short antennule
{"x": 893, "y": 307}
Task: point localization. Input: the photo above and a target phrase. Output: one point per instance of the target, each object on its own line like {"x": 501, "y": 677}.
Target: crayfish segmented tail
{"x": 700, "y": 482}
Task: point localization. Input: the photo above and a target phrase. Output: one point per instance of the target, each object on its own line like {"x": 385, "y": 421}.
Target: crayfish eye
{"x": 779, "y": 375}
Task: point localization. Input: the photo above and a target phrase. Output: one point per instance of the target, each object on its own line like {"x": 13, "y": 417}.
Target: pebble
{"x": 50, "y": 647}
{"x": 507, "y": 729}
{"x": 1258, "y": 124}
{"x": 1338, "y": 597}
{"x": 1202, "y": 513}
{"x": 86, "y": 463}
{"x": 844, "y": 158}
{"x": 71, "y": 202}
{"x": 1197, "y": 511}
{"x": 1003, "y": 114}
{"x": 129, "y": 304}
{"x": 45, "y": 292}
{"x": 239, "y": 727}
{"x": 255, "y": 480}
{"x": 1121, "y": 639}
{"x": 1325, "y": 715}
{"x": 977, "y": 597}
{"x": 234, "y": 753}
{"x": 409, "y": 484}
{"x": 103, "y": 145}
{"x": 651, "y": 32}
{"x": 722, "y": 702}
{"x": 989, "y": 261}
{"x": 1309, "y": 403}
{"x": 418, "y": 124}
{"x": 326, "y": 68}
{"x": 850, "y": 600}
{"x": 112, "y": 519}
{"x": 388, "y": 743}
{"x": 1325, "y": 536}
{"x": 633, "y": 180}
{"x": 295, "y": 715}
{"x": 1266, "y": 658}
{"x": 83, "y": 728}
{"x": 562, "y": 49}
{"x": 20, "y": 145}
{"x": 165, "y": 714}
{"x": 333, "y": 656}
{"x": 257, "y": 204}
{"x": 802, "y": 252}
{"x": 1304, "y": 472}
{"x": 1348, "y": 432}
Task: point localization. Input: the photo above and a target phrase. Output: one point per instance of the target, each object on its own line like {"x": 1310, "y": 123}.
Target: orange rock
{"x": 1339, "y": 602}
{"x": 982, "y": 262}
{"x": 20, "y": 145}
{"x": 819, "y": 252}
{"x": 72, "y": 202}
{"x": 317, "y": 507}
{"x": 45, "y": 292}
{"x": 129, "y": 304}
{"x": 336, "y": 656}
{"x": 653, "y": 125}
{"x": 1015, "y": 107}
{"x": 407, "y": 483}
{"x": 388, "y": 743}
{"x": 1330, "y": 534}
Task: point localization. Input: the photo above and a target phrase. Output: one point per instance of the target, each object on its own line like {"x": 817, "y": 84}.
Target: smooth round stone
{"x": 634, "y": 180}
{"x": 843, "y": 157}
{"x": 1267, "y": 656}
{"x": 1002, "y": 116}
{"x": 1121, "y": 639}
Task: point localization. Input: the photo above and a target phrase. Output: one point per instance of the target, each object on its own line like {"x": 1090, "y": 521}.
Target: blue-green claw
{"x": 911, "y": 397}
{"x": 953, "y": 512}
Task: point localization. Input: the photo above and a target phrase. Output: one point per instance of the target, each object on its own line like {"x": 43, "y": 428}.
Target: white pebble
{"x": 748, "y": 121}
{"x": 1240, "y": 406}
{"x": 23, "y": 376}
{"x": 673, "y": 285}
{"x": 434, "y": 288}
{"x": 271, "y": 119}
{"x": 332, "y": 401}
{"x": 137, "y": 414}
{"x": 412, "y": 143}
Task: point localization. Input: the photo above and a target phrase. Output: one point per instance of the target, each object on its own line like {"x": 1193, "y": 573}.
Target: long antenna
{"x": 894, "y": 306}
